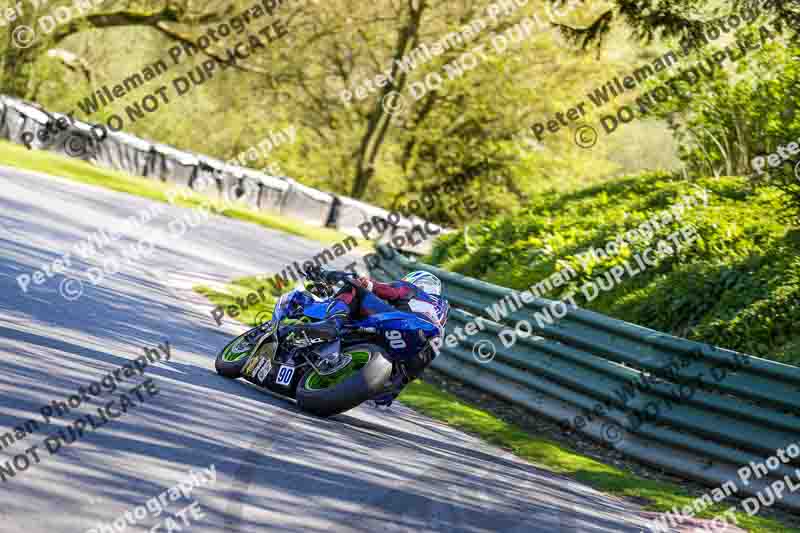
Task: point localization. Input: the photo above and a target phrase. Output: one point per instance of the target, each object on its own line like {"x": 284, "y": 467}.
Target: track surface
{"x": 277, "y": 468}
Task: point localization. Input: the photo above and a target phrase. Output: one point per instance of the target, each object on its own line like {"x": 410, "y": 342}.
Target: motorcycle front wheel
{"x": 232, "y": 358}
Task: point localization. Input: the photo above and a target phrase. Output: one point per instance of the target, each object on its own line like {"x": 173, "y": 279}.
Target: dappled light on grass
{"x": 654, "y": 495}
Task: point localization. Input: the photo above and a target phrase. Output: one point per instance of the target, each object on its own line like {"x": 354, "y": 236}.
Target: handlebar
{"x": 331, "y": 277}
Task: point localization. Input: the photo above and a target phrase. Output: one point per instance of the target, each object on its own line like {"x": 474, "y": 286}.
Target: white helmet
{"x": 425, "y": 281}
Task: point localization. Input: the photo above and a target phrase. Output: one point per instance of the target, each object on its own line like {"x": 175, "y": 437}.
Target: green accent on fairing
{"x": 295, "y": 321}
{"x": 230, "y": 355}
{"x": 316, "y": 382}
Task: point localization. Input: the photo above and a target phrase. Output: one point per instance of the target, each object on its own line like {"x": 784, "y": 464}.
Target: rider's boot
{"x": 405, "y": 375}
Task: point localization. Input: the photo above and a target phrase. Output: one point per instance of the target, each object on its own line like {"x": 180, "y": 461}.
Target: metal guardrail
{"x": 117, "y": 150}
{"x": 690, "y": 408}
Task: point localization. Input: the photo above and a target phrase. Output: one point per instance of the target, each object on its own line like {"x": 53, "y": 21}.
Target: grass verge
{"x": 735, "y": 283}
{"x": 441, "y": 405}
{"x": 660, "y": 496}
{"x": 233, "y": 298}
{"x": 80, "y": 171}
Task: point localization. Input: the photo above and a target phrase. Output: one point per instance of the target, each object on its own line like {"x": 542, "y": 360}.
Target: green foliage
{"x": 231, "y": 296}
{"x": 649, "y": 20}
{"x": 466, "y": 140}
{"x": 469, "y": 133}
{"x": 721, "y": 124}
{"x": 736, "y": 286}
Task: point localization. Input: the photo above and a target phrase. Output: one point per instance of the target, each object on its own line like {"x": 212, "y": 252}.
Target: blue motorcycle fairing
{"x": 299, "y": 303}
{"x": 403, "y": 334}
{"x": 414, "y": 321}
{"x": 316, "y": 310}
{"x": 400, "y": 332}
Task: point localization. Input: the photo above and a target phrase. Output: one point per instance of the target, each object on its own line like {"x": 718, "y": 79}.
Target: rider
{"x": 418, "y": 292}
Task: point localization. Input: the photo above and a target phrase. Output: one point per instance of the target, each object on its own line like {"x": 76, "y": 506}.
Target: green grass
{"x": 77, "y": 170}
{"x": 737, "y": 286}
{"x": 447, "y": 408}
{"x": 662, "y": 496}
{"x": 240, "y": 288}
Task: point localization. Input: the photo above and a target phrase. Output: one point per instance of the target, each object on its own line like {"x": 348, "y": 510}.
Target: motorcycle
{"x": 330, "y": 372}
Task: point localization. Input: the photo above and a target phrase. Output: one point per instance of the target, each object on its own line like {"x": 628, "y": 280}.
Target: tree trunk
{"x": 378, "y": 120}
{"x": 18, "y": 62}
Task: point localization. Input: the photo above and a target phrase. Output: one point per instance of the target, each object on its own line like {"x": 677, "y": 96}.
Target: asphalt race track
{"x": 274, "y": 468}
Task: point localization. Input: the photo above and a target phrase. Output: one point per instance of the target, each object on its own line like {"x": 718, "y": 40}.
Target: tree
{"x": 730, "y": 123}
{"x": 348, "y": 53}
{"x": 345, "y": 145}
{"x": 166, "y": 16}
{"x": 677, "y": 19}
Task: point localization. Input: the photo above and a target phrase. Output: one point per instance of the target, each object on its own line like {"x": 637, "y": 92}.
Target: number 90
{"x": 395, "y": 339}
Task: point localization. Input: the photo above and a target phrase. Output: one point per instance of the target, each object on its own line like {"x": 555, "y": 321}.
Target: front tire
{"x": 229, "y": 362}
{"x": 358, "y": 382}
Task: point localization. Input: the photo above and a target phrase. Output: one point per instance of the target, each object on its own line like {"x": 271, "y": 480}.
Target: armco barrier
{"x": 742, "y": 409}
{"x": 300, "y": 201}
{"x": 126, "y": 153}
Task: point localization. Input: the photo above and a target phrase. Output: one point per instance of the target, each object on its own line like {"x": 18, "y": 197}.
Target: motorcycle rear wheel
{"x": 365, "y": 377}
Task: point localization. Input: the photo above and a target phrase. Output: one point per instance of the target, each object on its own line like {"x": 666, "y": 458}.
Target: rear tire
{"x": 354, "y": 390}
